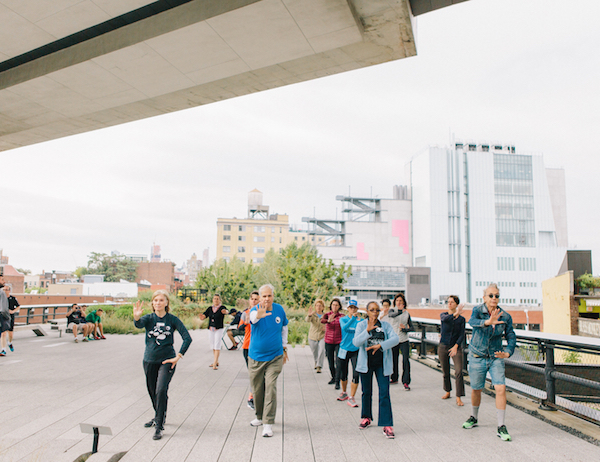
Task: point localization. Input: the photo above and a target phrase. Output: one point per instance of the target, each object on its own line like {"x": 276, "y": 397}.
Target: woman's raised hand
{"x": 138, "y": 309}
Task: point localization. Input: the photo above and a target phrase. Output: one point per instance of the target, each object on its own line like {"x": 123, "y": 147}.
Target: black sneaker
{"x": 331, "y": 382}
{"x": 149, "y": 424}
{"x": 337, "y": 385}
{"x": 470, "y": 423}
{"x": 157, "y": 433}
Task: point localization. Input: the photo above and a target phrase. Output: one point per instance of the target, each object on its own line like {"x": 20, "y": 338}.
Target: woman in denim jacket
{"x": 375, "y": 340}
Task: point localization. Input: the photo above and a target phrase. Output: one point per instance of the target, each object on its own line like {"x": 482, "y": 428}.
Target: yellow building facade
{"x": 249, "y": 239}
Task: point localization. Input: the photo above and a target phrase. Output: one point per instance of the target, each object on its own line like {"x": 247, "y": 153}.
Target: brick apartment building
{"x": 158, "y": 273}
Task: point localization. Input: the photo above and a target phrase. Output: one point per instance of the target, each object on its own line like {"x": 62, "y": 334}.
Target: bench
{"x": 36, "y": 328}
{"x": 59, "y": 325}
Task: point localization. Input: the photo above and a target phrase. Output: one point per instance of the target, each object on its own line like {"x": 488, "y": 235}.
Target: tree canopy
{"x": 113, "y": 267}
{"x": 299, "y": 274}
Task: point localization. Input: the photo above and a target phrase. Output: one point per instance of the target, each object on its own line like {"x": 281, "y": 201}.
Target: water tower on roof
{"x": 256, "y": 209}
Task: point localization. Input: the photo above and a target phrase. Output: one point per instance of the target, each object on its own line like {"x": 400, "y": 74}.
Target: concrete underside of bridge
{"x": 72, "y": 66}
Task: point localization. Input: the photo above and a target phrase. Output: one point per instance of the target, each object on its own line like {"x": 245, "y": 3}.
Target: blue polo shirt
{"x": 265, "y": 342}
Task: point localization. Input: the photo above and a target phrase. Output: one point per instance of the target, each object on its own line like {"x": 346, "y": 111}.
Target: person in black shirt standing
{"x": 13, "y": 309}
{"x": 215, "y": 314}
{"x": 453, "y": 334}
{"x": 159, "y": 357}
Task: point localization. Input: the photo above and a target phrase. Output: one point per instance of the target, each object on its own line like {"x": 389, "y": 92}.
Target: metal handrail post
{"x": 423, "y": 349}
{"x": 550, "y": 402}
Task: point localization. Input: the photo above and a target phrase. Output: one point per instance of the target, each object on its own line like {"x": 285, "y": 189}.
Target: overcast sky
{"x": 524, "y": 72}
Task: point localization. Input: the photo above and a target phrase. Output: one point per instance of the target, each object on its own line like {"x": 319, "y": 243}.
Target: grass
{"x": 119, "y": 320}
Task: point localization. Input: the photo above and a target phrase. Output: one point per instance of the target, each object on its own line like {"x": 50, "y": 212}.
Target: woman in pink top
{"x": 333, "y": 337}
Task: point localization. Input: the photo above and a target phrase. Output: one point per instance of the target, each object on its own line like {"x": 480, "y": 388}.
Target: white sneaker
{"x": 267, "y": 430}
{"x": 256, "y": 423}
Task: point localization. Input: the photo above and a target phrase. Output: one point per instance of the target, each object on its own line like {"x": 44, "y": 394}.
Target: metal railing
{"x": 559, "y": 371}
{"x": 41, "y": 314}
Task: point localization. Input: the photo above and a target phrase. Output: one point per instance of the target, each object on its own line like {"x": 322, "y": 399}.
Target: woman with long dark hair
{"x": 375, "y": 340}
{"x": 159, "y": 357}
{"x": 333, "y": 337}
{"x": 453, "y": 334}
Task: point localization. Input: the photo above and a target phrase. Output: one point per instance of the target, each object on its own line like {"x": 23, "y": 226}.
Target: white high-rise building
{"x": 482, "y": 213}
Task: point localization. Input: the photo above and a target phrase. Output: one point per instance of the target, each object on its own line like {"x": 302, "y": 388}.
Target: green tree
{"x": 304, "y": 276}
{"x": 232, "y": 280}
{"x": 24, "y": 271}
{"x": 113, "y": 267}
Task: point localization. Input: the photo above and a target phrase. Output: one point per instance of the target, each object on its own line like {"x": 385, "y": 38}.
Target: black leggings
{"x": 158, "y": 377}
{"x": 342, "y": 367}
{"x": 331, "y": 350}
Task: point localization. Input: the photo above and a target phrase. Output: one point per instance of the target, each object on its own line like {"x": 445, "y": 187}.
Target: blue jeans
{"x": 478, "y": 368}
{"x": 385, "y": 405}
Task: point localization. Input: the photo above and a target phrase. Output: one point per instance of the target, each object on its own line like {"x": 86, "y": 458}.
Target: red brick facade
{"x": 157, "y": 273}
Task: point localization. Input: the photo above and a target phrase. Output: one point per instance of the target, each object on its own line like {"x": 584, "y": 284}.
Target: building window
{"x": 241, "y": 249}
{"x": 242, "y": 228}
{"x": 296, "y": 238}
{"x": 506, "y": 263}
{"x": 259, "y": 250}
{"x": 273, "y": 229}
{"x": 242, "y": 259}
{"x": 226, "y": 248}
{"x": 241, "y": 238}
{"x": 419, "y": 279}
{"x": 259, "y": 229}
{"x": 259, "y": 238}
{"x": 227, "y": 237}
{"x": 303, "y": 238}
{"x": 258, "y": 260}
{"x": 280, "y": 229}
{"x": 527, "y": 264}
{"x": 226, "y": 227}
{"x": 513, "y": 194}
{"x": 272, "y": 238}
{"x": 226, "y": 259}
{"x": 280, "y": 240}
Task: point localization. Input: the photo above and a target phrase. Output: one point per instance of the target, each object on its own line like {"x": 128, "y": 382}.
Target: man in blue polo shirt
{"x": 266, "y": 356}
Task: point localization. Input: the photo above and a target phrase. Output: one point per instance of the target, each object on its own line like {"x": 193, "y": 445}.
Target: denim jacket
{"x": 360, "y": 340}
{"x": 486, "y": 340}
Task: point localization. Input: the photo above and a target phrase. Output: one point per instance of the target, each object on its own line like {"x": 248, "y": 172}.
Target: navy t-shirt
{"x": 159, "y": 336}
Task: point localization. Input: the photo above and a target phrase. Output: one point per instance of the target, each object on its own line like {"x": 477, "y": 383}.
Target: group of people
{"x": 89, "y": 325}
{"x": 371, "y": 345}
{"x": 9, "y": 308}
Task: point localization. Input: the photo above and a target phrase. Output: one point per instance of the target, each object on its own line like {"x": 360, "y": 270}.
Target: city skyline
{"x": 485, "y": 71}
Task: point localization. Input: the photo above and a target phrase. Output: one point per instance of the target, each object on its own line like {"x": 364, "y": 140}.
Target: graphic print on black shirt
{"x": 160, "y": 332}
{"x": 377, "y": 336}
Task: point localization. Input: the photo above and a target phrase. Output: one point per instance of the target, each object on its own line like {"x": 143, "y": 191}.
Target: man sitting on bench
{"x": 76, "y": 322}
{"x": 232, "y": 330}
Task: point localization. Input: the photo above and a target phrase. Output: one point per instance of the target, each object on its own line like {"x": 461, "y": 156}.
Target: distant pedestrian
{"x": 159, "y": 357}
{"x": 490, "y": 325}
{"x": 13, "y": 309}
{"x": 76, "y": 322}
{"x": 333, "y": 337}
{"x": 267, "y": 355}
{"x": 316, "y": 333}
{"x": 4, "y": 316}
{"x": 215, "y": 314}
{"x": 348, "y": 353}
{"x": 247, "y": 326}
{"x": 95, "y": 327}
{"x": 403, "y": 325}
{"x": 451, "y": 340}
{"x": 375, "y": 340}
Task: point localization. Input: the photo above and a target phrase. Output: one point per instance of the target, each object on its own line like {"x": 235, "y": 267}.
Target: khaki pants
{"x": 263, "y": 380}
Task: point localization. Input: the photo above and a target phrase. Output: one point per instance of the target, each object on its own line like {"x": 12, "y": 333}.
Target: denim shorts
{"x": 478, "y": 368}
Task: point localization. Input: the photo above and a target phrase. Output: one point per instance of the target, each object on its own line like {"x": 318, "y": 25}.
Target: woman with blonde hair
{"x": 316, "y": 333}
{"x": 159, "y": 357}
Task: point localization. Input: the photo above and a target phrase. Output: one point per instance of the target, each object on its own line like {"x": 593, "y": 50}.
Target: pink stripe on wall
{"x": 400, "y": 230}
{"x": 360, "y": 251}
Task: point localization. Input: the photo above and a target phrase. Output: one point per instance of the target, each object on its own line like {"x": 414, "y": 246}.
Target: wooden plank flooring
{"x": 49, "y": 385}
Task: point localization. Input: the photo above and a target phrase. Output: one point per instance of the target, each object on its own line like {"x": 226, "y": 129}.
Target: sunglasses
{"x": 494, "y": 295}
{"x": 374, "y": 310}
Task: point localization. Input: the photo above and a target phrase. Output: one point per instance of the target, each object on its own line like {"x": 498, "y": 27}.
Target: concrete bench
{"x": 36, "y": 328}
{"x": 59, "y": 325}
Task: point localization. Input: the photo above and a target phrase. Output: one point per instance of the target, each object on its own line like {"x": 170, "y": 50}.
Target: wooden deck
{"x": 50, "y": 384}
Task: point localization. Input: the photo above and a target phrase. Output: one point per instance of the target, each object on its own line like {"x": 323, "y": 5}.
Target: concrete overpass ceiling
{"x": 71, "y": 66}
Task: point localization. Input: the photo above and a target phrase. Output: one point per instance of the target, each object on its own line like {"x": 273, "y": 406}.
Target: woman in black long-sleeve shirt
{"x": 453, "y": 335}
{"x": 160, "y": 358}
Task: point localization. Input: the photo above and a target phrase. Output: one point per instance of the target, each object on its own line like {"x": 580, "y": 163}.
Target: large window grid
{"x": 513, "y": 192}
